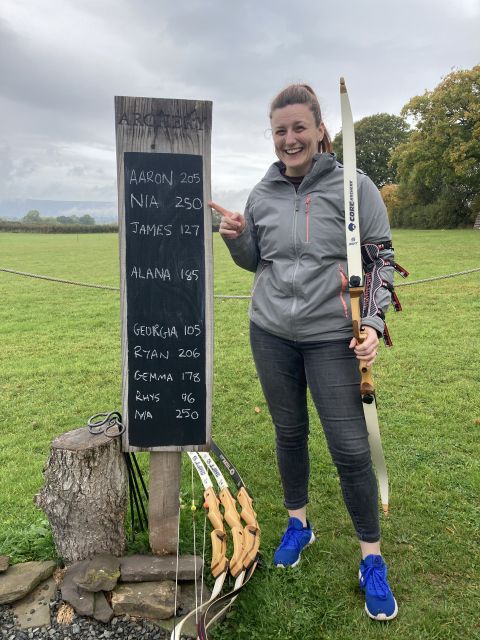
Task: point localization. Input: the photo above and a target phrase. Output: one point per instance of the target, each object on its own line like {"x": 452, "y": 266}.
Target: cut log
{"x": 85, "y": 495}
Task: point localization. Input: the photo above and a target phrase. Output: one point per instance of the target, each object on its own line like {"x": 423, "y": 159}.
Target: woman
{"x": 293, "y": 237}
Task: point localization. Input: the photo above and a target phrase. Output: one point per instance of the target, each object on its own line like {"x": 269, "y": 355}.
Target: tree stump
{"x": 85, "y": 495}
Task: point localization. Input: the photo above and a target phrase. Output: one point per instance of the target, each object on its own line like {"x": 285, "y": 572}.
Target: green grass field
{"x": 60, "y": 363}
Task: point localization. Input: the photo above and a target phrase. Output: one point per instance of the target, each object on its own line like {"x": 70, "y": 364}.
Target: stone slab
{"x": 34, "y": 609}
{"x": 143, "y": 568}
{"x": 154, "y": 600}
{"x": 21, "y": 579}
{"x": 102, "y": 611}
{"x": 186, "y": 603}
{"x": 4, "y": 563}
{"x": 81, "y": 600}
{"x": 101, "y": 573}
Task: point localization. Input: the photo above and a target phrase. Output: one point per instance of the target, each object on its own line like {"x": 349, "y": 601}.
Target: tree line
{"x": 33, "y": 222}
{"x": 426, "y": 161}
{"x": 34, "y": 217}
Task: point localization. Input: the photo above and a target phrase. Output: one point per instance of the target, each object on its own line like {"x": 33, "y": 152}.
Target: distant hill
{"x": 103, "y": 212}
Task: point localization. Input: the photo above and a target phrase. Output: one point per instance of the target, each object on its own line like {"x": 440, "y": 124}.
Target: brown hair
{"x": 303, "y": 94}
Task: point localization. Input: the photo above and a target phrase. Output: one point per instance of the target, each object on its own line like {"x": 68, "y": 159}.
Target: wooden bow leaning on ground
{"x": 246, "y": 539}
{"x": 251, "y": 538}
{"x": 219, "y": 564}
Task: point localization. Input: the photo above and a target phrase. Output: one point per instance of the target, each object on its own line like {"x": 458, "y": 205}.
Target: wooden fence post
{"x": 165, "y": 233}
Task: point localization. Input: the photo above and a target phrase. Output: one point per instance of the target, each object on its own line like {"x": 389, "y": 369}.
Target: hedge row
{"x": 19, "y": 227}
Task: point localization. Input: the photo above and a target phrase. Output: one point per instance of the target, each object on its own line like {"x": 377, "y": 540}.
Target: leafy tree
{"x": 67, "y": 219}
{"x": 375, "y": 138}
{"x": 86, "y": 219}
{"x": 439, "y": 165}
{"x": 32, "y": 217}
{"x": 389, "y": 193}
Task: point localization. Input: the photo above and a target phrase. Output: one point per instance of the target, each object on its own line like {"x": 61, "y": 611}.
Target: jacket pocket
{"x": 260, "y": 271}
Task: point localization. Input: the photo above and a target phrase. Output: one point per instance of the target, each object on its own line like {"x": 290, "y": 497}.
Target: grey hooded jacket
{"x": 295, "y": 243}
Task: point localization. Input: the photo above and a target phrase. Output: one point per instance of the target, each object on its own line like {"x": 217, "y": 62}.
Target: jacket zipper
{"x": 307, "y": 214}
{"x": 297, "y": 260}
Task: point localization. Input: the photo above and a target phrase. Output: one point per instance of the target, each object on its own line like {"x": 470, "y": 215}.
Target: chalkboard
{"x": 165, "y": 292}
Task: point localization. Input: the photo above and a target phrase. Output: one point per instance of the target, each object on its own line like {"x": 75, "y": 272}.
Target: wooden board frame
{"x": 159, "y": 125}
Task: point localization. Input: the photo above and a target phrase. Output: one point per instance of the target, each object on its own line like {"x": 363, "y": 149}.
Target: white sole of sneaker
{"x": 290, "y": 566}
{"x": 382, "y": 617}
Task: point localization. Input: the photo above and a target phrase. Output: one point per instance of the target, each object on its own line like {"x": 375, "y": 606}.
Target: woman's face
{"x": 296, "y": 137}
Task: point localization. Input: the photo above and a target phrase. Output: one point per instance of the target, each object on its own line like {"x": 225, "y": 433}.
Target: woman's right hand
{"x": 232, "y": 224}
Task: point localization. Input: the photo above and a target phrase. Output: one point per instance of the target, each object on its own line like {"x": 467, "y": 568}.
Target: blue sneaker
{"x": 294, "y": 540}
{"x": 379, "y": 601}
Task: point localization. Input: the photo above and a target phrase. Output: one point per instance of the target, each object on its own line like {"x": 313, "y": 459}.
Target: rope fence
{"x": 222, "y": 296}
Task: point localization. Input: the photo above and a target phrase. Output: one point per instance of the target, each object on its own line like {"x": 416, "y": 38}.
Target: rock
{"x": 142, "y": 568}
{"x": 20, "y": 579}
{"x": 186, "y": 603}
{"x": 145, "y": 599}
{"x": 99, "y": 574}
{"x": 34, "y": 609}
{"x": 102, "y": 611}
{"x": 81, "y": 600}
{"x": 4, "y": 563}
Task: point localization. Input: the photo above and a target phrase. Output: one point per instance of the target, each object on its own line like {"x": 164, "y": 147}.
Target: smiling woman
{"x": 293, "y": 237}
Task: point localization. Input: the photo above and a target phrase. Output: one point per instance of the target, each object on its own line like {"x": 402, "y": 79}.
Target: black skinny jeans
{"x": 330, "y": 369}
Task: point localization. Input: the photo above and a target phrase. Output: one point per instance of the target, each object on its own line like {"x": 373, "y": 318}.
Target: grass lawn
{"x": 60, "y": 363}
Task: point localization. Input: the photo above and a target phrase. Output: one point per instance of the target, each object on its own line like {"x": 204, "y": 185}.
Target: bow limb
{"x": 226, "y": 600}
{"x": 217, "y": 587}
{"x": 219, "y": 564}
{"x": 212, "y": 503}
{"x": 250, "y": 560}
{"x": 356, "y": 288}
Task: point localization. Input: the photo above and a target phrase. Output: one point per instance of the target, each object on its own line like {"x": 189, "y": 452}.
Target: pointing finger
{"x": 216, "y": 207}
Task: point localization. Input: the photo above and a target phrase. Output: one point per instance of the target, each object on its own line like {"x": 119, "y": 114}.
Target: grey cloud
{"x": 58, "y": 102}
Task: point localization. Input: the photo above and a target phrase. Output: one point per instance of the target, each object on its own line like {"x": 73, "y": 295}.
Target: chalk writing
{"x": 143, "y": 415}
{"x": 150, "y": 273}
{"x": 159, "y": 331}
{"x": 165, "y": 279}
{"x": 152, "y": 376}
{"x": 150, "y": 176}
{"x": 151, "y": 229}
{"x": 150, "y": 354}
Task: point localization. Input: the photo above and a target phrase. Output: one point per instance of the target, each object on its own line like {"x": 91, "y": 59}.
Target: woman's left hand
{"x": 367, "y": 350}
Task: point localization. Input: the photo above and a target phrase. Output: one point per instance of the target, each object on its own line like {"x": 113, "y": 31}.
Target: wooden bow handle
{"x": 367, "y": 387}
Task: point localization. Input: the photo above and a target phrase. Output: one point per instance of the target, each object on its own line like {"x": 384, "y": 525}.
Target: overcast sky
{"x": 63, "y": 61}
